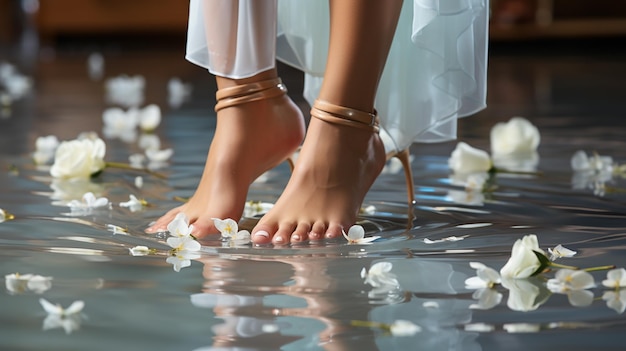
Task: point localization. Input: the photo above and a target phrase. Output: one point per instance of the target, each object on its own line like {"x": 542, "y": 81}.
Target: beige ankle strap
{"x": 241, "y": 94}
{"x": 332, "y": 113}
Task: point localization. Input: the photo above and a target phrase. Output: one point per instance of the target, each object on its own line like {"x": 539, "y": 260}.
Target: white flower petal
{"x": 467, "y": 159}
{"x": 404, "y": 328}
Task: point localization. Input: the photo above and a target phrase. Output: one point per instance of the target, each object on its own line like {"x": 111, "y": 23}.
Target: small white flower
{"x": 486, "y": 277}
{"x": 20, "y": 283}
{"x": 559, "y": 252}
{"x": 134, "y": 204}
{"x": 149, "y": 118}
{"x": 241, "y": 238}
{"x": 404, "y": 328}
{"x": 139, "y": 182}
{"x": 615, "y": 300}
{"x": 69, "y": 319}
{"x": 356, "y": 235}
{"x": 125, "y": 91}
{"x": 573, "y": 283}
{"x": 568, "y": 279}
{"x": 17, "y": 85}
{"x": 45, "y": 147}
{"x": 523, "y": 261}
{"x": 615, "y": 278}
{"x": 136, "y": 160}
{"x": 516, "y": 136}
{"x": 159, "y": 156}
{"x": 467, "y": 159}
{"x": 469, "y": 198}
{"x": 88, "y": 203}
{"x": 181, "y": 259}
{"x": 178, "y": 92}
{"x": 184, "y": 243}
{"x": 149, "y": 141}
{"x": 229, "y": 229}
{"x": 79, "y": 159}
{"x": 5, "y": 216}
{"x": 139, "y": 250}
{"x": 486, "y": 299}
{"x": 595, "y": 163}
{"x": 75, "y": 307}
{"x": 255, "y": 208}
{"x": 379, "y": 275}
{"x": 120, "y": 124}
{"x": 116, "y": 229}
{"x": 180, "y": 227}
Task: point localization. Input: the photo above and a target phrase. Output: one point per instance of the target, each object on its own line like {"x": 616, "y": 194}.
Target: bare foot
{"x": 250, "y": 139}
{"x": 335, "y": 169}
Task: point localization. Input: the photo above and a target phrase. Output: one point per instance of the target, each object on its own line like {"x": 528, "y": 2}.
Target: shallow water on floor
{"x": 311, "y": 297}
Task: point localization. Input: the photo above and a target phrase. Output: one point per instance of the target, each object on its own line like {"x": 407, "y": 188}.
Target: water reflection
{"x": 301, "y": 302}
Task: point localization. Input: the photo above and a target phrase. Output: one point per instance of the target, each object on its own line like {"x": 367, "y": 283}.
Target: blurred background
{"x": 56, "y": 20}
{"x": 546, "y": 56}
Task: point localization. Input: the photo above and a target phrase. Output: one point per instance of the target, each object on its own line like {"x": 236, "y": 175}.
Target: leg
{"x": 251, "y": 136}
{"x": 338, "y": 163}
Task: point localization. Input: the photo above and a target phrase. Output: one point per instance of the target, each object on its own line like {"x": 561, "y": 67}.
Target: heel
{"x": 404, "y": 157}
{"x": 331, "y": 113}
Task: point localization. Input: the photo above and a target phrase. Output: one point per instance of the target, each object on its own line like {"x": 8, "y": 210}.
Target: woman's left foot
{"x": 336, "y": 167}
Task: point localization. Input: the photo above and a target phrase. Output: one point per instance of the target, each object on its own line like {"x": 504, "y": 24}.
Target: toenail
{"x": 262, "y": 233}
{"x": 295, "y": 237}
{"x": 278, "y": 239}
{"x": 329, "y": 235}
{"x": 314, "y": 235}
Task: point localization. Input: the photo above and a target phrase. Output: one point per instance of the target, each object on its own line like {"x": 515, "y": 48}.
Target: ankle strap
{"x": 240, "y": 94}
{"x": 336, "y": 114}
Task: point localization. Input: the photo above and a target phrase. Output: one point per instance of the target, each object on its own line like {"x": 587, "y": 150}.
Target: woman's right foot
{"x": 250, "y": 138}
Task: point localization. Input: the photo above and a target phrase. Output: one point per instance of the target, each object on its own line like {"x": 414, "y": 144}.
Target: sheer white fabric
{"x": 435, "y": 72}
{"x": 232, "y": 38}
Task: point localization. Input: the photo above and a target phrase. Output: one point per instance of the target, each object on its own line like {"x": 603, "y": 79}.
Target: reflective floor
{"x": 313, "y": 296}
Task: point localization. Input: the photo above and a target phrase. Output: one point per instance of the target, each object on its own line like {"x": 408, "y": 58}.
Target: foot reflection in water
{"x": 309, "y": 302}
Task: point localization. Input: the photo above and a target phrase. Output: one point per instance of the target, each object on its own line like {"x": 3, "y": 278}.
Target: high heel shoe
{"x": 332, "y": 113}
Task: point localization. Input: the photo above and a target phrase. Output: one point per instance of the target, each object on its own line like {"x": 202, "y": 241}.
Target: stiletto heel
{"x": 365, "y": 120}
{"x": 404, "y": 157}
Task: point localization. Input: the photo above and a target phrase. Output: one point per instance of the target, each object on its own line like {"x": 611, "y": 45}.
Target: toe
{"x": 203, "y": 227}
{"x": 283, "y": 234}
{"x": 334, "y": 231}
{"x": 262, "y": 234}
{"x": 301, "y": 233}
{"x": 317, "y": 231}
{"x": 161, "y": 223}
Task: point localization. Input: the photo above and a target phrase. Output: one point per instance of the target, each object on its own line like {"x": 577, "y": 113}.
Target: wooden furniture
{"x": 538, "y": 19}
{"x": 71, "y": 17}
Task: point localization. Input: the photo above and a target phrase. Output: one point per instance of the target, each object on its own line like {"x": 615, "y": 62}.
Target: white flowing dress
{"x": 435, "y": 72}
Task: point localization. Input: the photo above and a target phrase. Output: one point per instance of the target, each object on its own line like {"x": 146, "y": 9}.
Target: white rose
{"x": 525, "y": 294}
{"x": 523, "y": 261}
{"x": 78, "y": 158}
{"x": 467, "y": 159}
{"x": 517, "y": 136}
